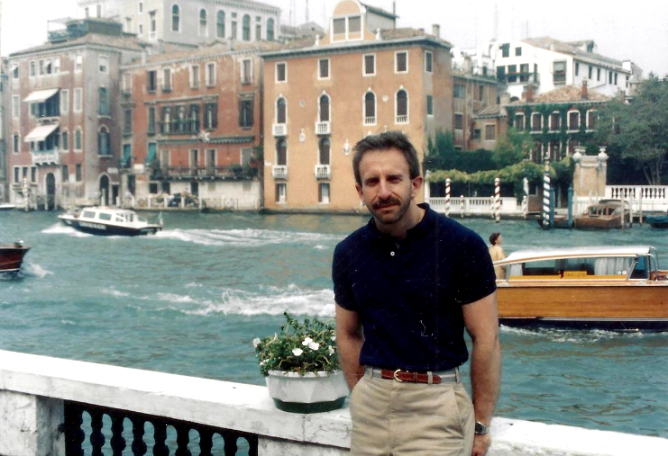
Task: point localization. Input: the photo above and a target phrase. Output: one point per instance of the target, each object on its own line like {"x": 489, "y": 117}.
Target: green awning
{"x": 152, "y": 151}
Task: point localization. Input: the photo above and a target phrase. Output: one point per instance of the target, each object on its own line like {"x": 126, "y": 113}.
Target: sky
{"x": 636, "y": 31}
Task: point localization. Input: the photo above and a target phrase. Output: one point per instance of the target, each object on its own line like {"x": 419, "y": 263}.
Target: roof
{"x": 379, "y": 11}
{"x": 565, "y": 94}
{"x": 554, "y": 45}
{"x": 121, "y": 42}
{"x": 575, "y": 252}
{"x": 218, "y": 47}
{"x": 491, "y": 111}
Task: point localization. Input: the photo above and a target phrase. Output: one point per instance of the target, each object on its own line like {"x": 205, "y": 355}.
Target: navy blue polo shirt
{"x": 409, "y": 293}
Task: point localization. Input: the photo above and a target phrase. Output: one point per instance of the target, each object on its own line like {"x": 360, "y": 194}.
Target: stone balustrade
{"x": 38, "y": 394}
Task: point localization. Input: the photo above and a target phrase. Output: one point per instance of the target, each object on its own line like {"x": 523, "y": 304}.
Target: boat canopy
{"x": 521, "y": 256}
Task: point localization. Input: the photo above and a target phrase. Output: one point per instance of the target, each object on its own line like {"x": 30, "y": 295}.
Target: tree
{"x": 438, "y": 150}
{"x": 513, "y": 148}
{"x": 638, "y": 130}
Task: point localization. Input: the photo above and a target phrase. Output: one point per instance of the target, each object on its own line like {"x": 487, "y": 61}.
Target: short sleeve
{"x": 474, "y": 271}
{"x": 343, "y": 292}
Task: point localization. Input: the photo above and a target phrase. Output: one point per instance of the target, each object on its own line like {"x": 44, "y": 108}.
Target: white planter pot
{"x": 309, "y": 393}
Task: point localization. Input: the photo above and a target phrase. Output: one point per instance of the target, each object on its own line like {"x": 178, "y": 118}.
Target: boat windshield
{"x": 88, "y": 214}
{"x": 142, "y": 219}
{"x": 574, "y": 268}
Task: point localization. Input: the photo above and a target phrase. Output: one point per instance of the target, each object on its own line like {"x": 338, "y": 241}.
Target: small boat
{"x": 595, "y": 287}
{"x": 657, "y": 221}
{"x": 11, "y": 256}
{"x": 109, "y": 221}
{"x": 604, "y": 215}
{"x": 7, "y": 207}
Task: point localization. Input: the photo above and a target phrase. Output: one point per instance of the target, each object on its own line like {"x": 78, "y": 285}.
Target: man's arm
{"x": 482, "y": 323}
{"x": 349, "y": 338}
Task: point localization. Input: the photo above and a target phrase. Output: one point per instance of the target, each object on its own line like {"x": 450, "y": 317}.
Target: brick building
{"x": 192, "y": 124}
{"x": 63, "y": 118}
{"x": 321, "y": 96}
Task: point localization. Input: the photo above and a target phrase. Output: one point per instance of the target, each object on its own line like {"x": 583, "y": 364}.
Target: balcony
{"x": 280, "y": 129}
{"x": 370, "y": 120}
{"x": 323, "y": 172}
{"x": 401, "y": 119}
{"x": 46, "y": 158}
{"x": 280, "y": 172}
{"x": 323, "y": 128}
{"x": 207, "y": 173}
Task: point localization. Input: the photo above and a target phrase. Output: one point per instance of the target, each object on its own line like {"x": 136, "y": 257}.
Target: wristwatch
{"x": 480, "y": 428}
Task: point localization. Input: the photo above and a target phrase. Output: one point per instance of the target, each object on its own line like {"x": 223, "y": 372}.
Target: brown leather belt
{"x": 429, "y": 377}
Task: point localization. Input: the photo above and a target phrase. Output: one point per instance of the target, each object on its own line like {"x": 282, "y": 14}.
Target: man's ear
{"x": 358, "y": 187}
{"x": 416, "y": 185}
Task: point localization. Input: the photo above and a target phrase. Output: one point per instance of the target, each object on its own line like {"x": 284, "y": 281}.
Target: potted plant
{"x": 301, "y": 366}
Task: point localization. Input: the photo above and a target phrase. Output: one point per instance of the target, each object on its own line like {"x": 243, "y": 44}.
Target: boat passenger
{"x": 497, "y": 253}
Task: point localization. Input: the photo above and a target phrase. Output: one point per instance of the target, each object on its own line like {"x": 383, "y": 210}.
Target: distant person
{"x": 406, "y": 286}
{"x": 497, "y": 253}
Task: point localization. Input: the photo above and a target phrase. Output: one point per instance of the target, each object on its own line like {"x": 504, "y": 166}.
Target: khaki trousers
{"x": 396, "y": 419}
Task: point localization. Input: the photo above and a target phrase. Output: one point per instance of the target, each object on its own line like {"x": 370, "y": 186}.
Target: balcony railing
{"x": 323, "y": 128}
{"x": 402, "y": 119}
{"x": 280, "y": 172}
{"x": 280, "y": 129}
{"x": 45, "y": 158}
{"x": 186, "y": 127}
{"x": 370, "y": 120}
{"x": 323, "y": 172}
{"x": 202, "y": 173}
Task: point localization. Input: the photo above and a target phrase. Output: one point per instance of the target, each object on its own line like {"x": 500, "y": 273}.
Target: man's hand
{"x": 481, "y": 444}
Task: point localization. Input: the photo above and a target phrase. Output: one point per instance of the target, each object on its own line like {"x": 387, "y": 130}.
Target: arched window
{"x": 270, "y": 29}
{"x": 220, "y": 24}
{"x": 202, "y": 22}
{"x": 369, "y": 108}
{"x": 104, "y": 141}
{"x": 591, "y": 119}
{"x": 323, "y": 108}
{"x": 246, "y": 31}
{"x": 324, "y": 146}
{"x": 281, "y": 153}
{"x": 281, "y": 111}
{"x": 176, "y": 18}
{"x": 402, "y": 106}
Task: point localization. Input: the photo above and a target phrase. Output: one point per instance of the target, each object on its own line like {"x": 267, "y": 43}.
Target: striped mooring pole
{"x": 447, "y": 197}
{"x": 462, "y": 199}
{"x": 497, "y": 200}
{"x": 546, "y": 198}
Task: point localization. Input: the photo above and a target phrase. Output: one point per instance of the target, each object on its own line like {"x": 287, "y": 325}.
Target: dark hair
{"x": 493, "y": 237}
{"x": 386, "y": 141}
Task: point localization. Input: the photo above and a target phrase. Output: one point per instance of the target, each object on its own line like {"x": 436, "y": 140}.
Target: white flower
{"x": 334, "y": 338}
{"x": 256, "y": 342}
{"x": 314, "y": 346}
{"x": 330, "y": 350}
{"x": 307, "y": 341}
{"x": 297, "y": 351}
{"x": 263, "y": 362}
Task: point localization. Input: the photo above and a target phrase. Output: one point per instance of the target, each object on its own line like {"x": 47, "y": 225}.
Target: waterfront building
{"x": 192, "y": 124}
{"x": 322, "y": 95}
{"x": 190, "y": 22}
{"x": 63, "y": 119}
{"x": 4, "y": 78}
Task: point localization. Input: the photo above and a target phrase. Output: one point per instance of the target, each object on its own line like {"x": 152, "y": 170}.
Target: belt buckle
{"x": 396, "y": 376}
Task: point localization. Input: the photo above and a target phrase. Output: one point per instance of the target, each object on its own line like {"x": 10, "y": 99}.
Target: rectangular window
{"x": 104, "y": 106}
{"x": 16, "y": 143}
{"x": 65, "y": 140}
{"x": 167, "y": 80}
{"x": 490, "y": 132}
{"x": 246, "y": 113}
{"x": 78, "y": 63}
{"x": 512, "y": 73}
{"x": 66, "y": 174}
{"x": 559, "y": 73}
{"x": 246, "y": 71}
{"x": 519, "y": 122}
{"x": 16, "y": 106}
{"x": 78, "y": 141}
{"x": 281, "y": 193}
{"x": 401, "y": 62}
{"x": 501, "y": 73}
{"x": 33, "y": 69}
{"x": 524, "y": 72}
{"x": 370, "y": 65}
{"x": 210, "y": 74}
{"x": 481, "y": 92}
{"x": 258, "y": 32}
{"x": 505, "y": 50}
{"x": 477, "y": 134}
{"x": 211, "y": 116}
{"x": 577, "y": 68}
{"x": 354, "y": 24}
{"x": 281, "y": 72}
{"x": 78, "y": 172}
{"x": 17, "y": 174}
{"x": 459, "y": 121}
{"x": 518, "y": 52}
{"x": 103, "y": 62}
{"x": 339, "y": 26}
{"x": 127, "y": 122}
{"x": 460, "y": 91}
{"x": 609, "y": 77}
{"x": 430, "y": 105}
{"x": 194, "y": 77}
{"x": 151, "y": 80}
{"x": 127, "y": 83}
{"x": 598, "y": 74}
{"x": 573, "y": 120}
{"x": 616, "y": 78}
{"x": 33, "y": 174}
{"x": 554, "y": 121}
{"x": 151, "y": 120}
{"x": 323, "y": 193}
{"x": 428, "y": 61}
{"x": 323, "y": 69}
{"x": 64, "y": 101}
{"x": 591, "y": 71}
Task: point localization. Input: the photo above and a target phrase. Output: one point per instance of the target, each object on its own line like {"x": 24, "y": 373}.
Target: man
{"x": 406, "y": 285}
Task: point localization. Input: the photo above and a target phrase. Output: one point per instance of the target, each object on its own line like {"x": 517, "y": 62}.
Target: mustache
{"x": 380, "y": 203}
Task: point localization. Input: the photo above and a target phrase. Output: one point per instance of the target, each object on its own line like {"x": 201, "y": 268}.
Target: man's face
{"x": 387, "y": 189}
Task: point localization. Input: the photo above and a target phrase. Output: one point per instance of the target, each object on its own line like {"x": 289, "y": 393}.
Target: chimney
{"x": 436, "y": 31}
{"x": 527, "y": 93}
{"x": 583, "y": 91}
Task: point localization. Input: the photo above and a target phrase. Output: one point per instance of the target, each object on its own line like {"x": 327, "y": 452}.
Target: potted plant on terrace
{"x": 301, "y": 366}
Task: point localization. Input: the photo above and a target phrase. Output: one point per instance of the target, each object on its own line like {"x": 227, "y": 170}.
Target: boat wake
{"x": 576, "y": 336}
{"x": 245, "y": 238}
{"x": 59, "y": 228}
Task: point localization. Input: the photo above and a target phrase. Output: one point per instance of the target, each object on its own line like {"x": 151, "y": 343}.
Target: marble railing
{"x": 57, "y": 407}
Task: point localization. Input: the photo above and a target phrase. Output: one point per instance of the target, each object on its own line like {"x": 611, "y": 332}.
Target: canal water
{"x": 191, "y": 299}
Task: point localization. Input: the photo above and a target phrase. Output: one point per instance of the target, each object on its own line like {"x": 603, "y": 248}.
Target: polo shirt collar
{"x": 419, "y": 230}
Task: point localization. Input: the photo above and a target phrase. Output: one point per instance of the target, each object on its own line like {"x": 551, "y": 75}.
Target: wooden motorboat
{"x": 604, "y": 215}
{"x": 109, "y": 221}
{"x": 11, "y": 256}
{"x": 604, "y": 287}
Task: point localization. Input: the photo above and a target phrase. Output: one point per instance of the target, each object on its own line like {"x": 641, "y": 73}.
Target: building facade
{"x": 63, "y": 117}
{"x": 193, "y": 125}
{"x": 190, "y": 22}
{"x": 473, "y": 94}
{"x": 323, "y": 95}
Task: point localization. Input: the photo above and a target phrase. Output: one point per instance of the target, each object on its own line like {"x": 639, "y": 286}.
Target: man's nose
{"x": 384, "y": 189}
